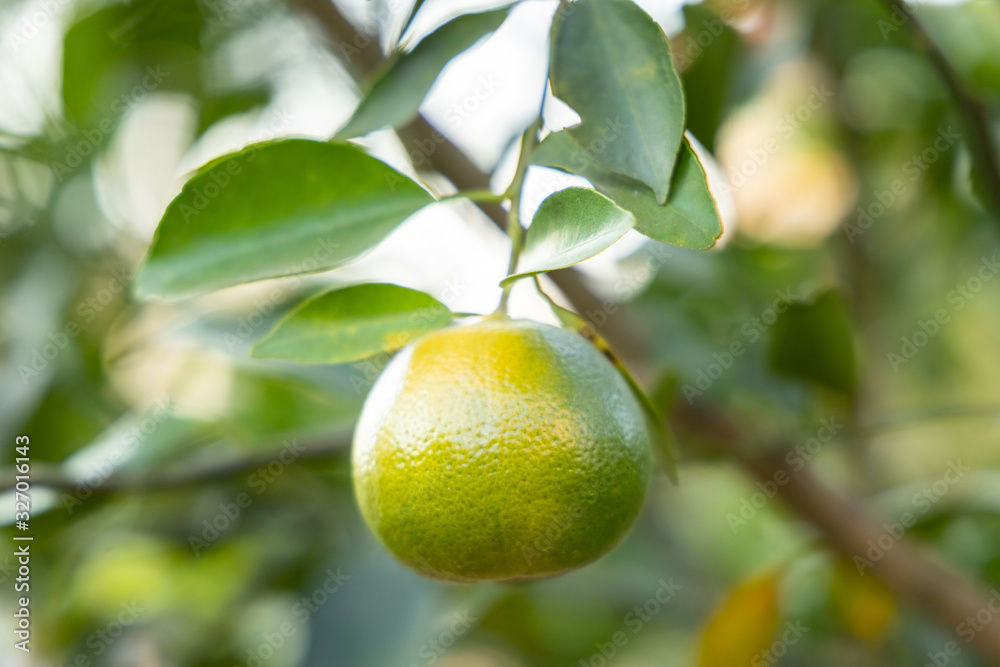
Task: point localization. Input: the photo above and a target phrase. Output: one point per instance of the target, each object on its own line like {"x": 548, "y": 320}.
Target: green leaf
{"x": 396, "y": 95}
{"x": 689, "y": 219}
{"x": 353, "y": 323}
{"x": 275, "y": 209}
{"x": 611, "y": 62}
{"x": 570, "y": 226}
{"x": 815, "y": 342}
{"x": 120, "y": 53}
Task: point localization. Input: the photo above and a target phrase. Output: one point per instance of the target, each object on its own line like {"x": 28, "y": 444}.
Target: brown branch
{"x": 184, "y": 477}
{"x": 942, "y": 594}
{"x": 982, "y": 142}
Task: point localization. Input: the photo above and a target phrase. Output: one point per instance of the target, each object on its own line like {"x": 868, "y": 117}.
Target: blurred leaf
{"x": 611, "y": 62}
{"x": 743, "y": 626}
{"x": 67, "y": 418}
{"x": 119, "y": 54}
{"x": 815, "y": 342}
{"x": 864, "y": 605}
{"x": 215, "y": 109}
{"x": 396, "y": 95}
{"x": 689, "y": 218}
{"x": 275, "y": 209}
{"x": 353, "y": 323}
{"x": 263, "y": 409}
{"x": 570, "y": 226}
{"x": 413, "y": 14}
{"x": 707, "y": 79}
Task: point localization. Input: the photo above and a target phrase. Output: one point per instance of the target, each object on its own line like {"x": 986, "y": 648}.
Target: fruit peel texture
{"x": 501, "y": 450}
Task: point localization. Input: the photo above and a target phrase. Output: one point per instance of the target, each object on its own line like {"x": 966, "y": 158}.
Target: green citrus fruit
{"x": 504, "y": 449}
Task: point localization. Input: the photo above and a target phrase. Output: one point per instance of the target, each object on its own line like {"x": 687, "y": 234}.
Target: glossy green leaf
{"x": 611, "y": 62}
{"x": 396, "y": 95}
{"x": 815, "y": 342}
{"x": 275, "y": 209}
{"x": 570, "y": 226}
{"x": 689, "y": 219}
{"x": 353, "y": 323}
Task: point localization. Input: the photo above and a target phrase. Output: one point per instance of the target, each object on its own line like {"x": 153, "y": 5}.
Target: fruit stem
{"x": 529, "y": 141}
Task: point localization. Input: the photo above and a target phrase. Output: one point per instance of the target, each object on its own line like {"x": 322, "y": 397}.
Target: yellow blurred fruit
{"x": 500, "y": 450}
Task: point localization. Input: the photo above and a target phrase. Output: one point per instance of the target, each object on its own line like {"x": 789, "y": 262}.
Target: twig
{"x": 941, "y": 593}
{"x": 515, "y": 230}
{"x": 124, "y": 482}
{"x": 982, "y": 142}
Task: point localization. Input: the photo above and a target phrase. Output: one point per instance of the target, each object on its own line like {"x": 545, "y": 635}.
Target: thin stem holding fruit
{"x": 529, "y": 141}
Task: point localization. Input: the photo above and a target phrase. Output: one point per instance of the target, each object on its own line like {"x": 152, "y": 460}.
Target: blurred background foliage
{"x": 230, "y": 535}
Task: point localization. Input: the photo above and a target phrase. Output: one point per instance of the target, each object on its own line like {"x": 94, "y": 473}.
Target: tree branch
{"x": 124, "y": 482}
{"x": 941, "y": 593}
{"x": 982, "y": 142}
